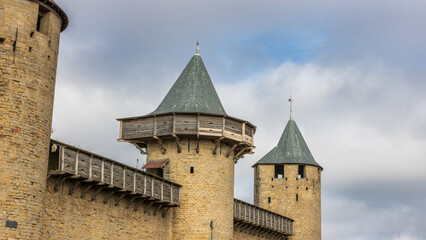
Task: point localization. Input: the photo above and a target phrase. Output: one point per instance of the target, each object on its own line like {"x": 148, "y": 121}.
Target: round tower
{"x": 198, "y": 144}
{"x": 288, "y": 181}
{"x": 29, "y": 42}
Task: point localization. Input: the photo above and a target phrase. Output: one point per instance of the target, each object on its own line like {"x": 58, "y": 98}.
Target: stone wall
{"x": 207, "y": 195}
{"x": 251, "y": 235}
{"x": 72, "y": 217}
{"x": 28, "y": 61}
{"x": 305, "y": 210}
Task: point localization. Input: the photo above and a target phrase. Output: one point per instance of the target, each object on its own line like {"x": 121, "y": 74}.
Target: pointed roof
{"x": 193, "y": 92}
{"x": 291, "y": 149}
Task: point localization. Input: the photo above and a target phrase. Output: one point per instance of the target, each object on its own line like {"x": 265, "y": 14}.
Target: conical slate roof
{"x": 192, "y": 92}
{"x": 291, "y": 149}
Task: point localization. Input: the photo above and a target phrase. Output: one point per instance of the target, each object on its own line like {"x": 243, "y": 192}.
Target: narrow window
{"x": 297, "y": 197}
{"x": 191, "y": 169}
{"x": 42, "y": 20}
{"x": 301, "y": 172}
{"x": 269, "y": 199}
{"x": 279, "y": 171}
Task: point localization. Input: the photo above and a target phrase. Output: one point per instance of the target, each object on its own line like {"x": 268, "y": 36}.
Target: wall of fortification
{"x": 72, "y": 217}
{"x": 207, "y": 194}
{"x": 244, "y": 235}
{"x": 279, "y": 195}
{"x": 27, "y": 80}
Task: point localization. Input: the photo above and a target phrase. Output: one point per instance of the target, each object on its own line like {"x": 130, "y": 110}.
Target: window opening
{"x": 269, "y": 199}
{"x": 42, "y": 20}
{"x": 297, "y": 197}
{"x": 301, "y": 171}
{"x": 279, "y": 171}
{"x": 191, "y": 169}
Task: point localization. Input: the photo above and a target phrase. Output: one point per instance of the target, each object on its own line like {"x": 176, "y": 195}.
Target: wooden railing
{"x": 68, "y": 160}
{"x": 187, "y": 124}
{"x": 248, "y": 214}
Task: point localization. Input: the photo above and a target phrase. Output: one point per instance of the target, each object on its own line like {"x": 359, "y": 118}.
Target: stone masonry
{"x": 28, "y": 58}
{"x": 305, "y": 210}
{"x": 207, "y": 194}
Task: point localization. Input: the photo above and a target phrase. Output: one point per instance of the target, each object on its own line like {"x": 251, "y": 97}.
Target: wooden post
{"x": 124, "y": 178}
{"x": 112, "y": 174}
{"x": 62, "y": 158}
{"x": 134, "y": 181}
{"x": 90, "y": 166}
{"x": 144, "y": 184}
{"x": 76, "y": 163}
{"x": 102, "y": 170}
{"x": 243, "y": 133}
{"x": 155, "y": 125}
{"x": 223, "y": 127}
{"x": 162, "y": 189}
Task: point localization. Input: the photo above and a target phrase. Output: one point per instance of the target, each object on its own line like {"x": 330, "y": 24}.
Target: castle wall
{"x": 72, "y": 217}
{"x": 207, "y": 195}
{"x": 306, "y": 210}
{"x": 28, "y": 61}
{"x": 254, "y": 235}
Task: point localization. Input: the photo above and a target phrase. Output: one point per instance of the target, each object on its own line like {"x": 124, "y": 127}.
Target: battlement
{"x": 248, "y": 217}
{"x": 69, "y": 163}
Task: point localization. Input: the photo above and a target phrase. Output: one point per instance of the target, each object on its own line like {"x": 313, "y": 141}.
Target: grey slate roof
{"x": 192, "y": 92}
{"x": 291, "y": 149}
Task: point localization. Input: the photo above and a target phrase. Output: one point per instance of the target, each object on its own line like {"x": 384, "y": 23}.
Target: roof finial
{"x": 291, "y": 100}
{"x": 197, "y": 51}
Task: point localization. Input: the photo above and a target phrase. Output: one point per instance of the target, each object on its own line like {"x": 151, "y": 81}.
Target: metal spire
{"x": 291, "y": 100}
{"x": 197, "y": 51}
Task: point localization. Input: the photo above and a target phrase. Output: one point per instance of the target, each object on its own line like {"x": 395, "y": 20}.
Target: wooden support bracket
{"x": 60, "y": 181}
{"x": 85, "y": 190}
{"x": 231, "y": 150}
{"x": 216, "y": 145}
{"x": 163, "y": 150}
{"x": 108, "y": 196}
{"x": 179, "y": 147}
{"x": 96, "y": 193}
{"x": 164, "y": 211}
{"x": 72, "y": 189}
{"x": 138, "y": 204}
{"x": 148, "y": 207}
{"x": 139, "y": 148}
{"x": 198, "y": 144}
{"x": 156, "y": 209}
{"x": 117, "y": 202}
{"x": 131, "y": 201}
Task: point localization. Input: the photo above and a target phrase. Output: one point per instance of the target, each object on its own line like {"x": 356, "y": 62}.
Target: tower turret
{"x": 288, "y": 181}
{"x": 29, "y": 43}
{"x": 199, "y": 144}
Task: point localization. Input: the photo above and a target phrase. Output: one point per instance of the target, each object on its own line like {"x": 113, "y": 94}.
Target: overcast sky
{"x": 356, "y": 69}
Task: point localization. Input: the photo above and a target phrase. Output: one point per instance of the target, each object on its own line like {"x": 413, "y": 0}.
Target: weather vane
{"x": 197, "y": 51}
{"x": 291, "y": 100}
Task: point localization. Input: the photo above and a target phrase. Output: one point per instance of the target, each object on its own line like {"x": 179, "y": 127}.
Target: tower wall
{"x": 28, "y": 60}
{"x": 207, "y": 195}
{"x": 305, "y": 210}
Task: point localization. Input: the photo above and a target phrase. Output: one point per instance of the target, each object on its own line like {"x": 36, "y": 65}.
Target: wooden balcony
{"x": 69, "y": 163}
{"x": 139, "y": 130}
{"x": 248, "y": 217}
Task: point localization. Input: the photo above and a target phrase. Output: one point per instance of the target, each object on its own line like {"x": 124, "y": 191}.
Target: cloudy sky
{"x": 356, "y": 69}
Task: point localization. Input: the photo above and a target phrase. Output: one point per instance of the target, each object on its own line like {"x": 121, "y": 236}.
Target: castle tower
{"x": 199, "y": 144}
{"x": 29, "y": 42}
{"x": 288, "y": 181}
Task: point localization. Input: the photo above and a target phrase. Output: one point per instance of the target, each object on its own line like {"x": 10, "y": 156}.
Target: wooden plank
{"x": 69, "y": 160}
{"x": 83, "y": 164}
{"x": 185, "y": 124}
{"x": 97, "y": 169}
{"x": 164, "y": 125}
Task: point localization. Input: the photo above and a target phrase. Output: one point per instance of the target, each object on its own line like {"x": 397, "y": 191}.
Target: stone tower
{"x": 190, "y": 140}
{"x": 29, "y": 42}
{"x": 288, "y": 181}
